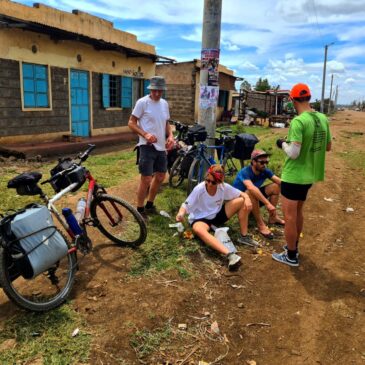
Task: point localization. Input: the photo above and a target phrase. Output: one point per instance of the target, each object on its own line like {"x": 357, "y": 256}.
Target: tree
{"x": 245, "y": 85}
{"x": 262, "y": 85}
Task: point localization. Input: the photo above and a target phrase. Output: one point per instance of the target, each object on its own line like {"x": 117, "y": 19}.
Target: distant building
{"x": 183, "y": 88}
{"x": 67, "y": 74}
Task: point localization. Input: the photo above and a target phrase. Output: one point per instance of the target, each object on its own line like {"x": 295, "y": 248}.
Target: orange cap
{"x": 300, "y": 91}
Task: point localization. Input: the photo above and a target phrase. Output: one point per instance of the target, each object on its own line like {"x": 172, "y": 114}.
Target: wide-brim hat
{"x": 157, "y": 83}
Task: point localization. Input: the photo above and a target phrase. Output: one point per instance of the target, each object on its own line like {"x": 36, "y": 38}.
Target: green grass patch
{"x": 356, "y": 159}
{"x": 46, "y": 336}
{"x": 145, "y": 342}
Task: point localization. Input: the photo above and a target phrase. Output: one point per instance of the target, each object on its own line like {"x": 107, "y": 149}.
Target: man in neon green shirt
{"x": 308, "y": 140}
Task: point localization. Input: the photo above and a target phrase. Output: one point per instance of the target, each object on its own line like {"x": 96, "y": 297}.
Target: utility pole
{"x": 329, "y": 102}
{"x": 324, "y": 75}
{"x": 336, "y": 96}
{"x": 209, "y": 74}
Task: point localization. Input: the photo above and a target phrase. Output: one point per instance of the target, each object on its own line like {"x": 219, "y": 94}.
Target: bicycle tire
{"x": 229, "y": 166}
{"x": 175, "y": 177}
{"x": 127, "y": 220}
{"x": 194, "y": 171}
{"x": 39, "y": 287}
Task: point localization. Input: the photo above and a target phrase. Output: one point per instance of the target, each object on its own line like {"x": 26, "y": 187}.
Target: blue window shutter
{"x": 35, "y": 86}
{"x": 105, "y": 91}
{"x": 127, "y": 83}
{"x": 146, "y": 83}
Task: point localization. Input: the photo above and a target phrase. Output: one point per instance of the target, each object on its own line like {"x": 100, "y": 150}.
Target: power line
{"x": 318, "y": 27}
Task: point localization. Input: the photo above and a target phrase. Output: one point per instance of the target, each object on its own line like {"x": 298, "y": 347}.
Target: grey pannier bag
{"x": 38, "y": 244}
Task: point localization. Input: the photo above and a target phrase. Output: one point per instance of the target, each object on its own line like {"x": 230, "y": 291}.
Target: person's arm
{"x": 276, "y": 179}
{"x": 133, "y": 125}
{"x": 255, "y": 191}
{"x": 292, "y": 149}
{"x": 169, "y": 135}
{"x": 247, "y": 200}
{"x": 181, "y": 213}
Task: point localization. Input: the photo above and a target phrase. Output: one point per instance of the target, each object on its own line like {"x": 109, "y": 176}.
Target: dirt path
{"x": 266, "y": 312}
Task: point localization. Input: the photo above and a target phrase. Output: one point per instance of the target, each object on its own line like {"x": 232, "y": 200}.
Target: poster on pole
{"x": 208, "y": 96}
{"x": 209, "y": 66}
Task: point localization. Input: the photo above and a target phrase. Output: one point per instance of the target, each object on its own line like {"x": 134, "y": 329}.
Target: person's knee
{"x": 146, "y": 180}
{"x": 160, "y": 176}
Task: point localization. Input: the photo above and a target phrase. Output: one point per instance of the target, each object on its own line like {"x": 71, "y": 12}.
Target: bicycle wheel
{"x": 118, "y": 220}
{"x": 176, "y": 178}
{"x": 230, "y": 168}
{"x": 196, "y": 173}
{"x": 46, "y": 291}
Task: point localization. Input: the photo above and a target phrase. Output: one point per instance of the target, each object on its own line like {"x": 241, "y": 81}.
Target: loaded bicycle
{"x": 38, "y": 258}
{"x": 203, "y": 159}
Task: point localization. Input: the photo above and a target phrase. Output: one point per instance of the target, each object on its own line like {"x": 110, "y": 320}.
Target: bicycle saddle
{"x": 26, "y": 178}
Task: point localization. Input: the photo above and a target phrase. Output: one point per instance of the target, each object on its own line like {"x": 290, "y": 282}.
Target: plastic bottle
{"x": 165, "y": 214}
{"x": 222, "y": 236}
{"x": 211, "y": 160}
{"x": 80, "y": 209}
{"x": 72, "y": 222}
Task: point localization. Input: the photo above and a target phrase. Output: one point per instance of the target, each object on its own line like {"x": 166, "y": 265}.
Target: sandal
{"x": 268, "y": 236}
{"x": 277, "y": 223}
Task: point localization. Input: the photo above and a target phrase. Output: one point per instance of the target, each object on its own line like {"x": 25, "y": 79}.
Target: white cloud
{"x": 248, "y": 66}
{"x": 335, "y": 67}
{"x": 196, "y": 36}
{"x": 350, "y": 80}
{"x": 315, "y": 79}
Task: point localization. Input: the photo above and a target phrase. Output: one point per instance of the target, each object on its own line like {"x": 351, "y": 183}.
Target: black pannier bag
{"x": 78, "y": 175}
{"x": 26, "y": 183}
{"x": 196, "y": 133}
{"x": 244, "y": 145}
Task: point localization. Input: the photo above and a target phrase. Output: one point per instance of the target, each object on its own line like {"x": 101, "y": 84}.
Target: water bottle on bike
{"x": 80, "y": 209}
{"x": 72, "y": 222}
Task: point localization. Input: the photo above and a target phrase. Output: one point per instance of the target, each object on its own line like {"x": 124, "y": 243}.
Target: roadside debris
{"x": 328, "y": 199}
{"x": 75, "y": 332}
{"x": 349, "y": 210}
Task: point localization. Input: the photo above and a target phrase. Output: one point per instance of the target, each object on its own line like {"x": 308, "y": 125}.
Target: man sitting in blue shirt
{"x": 251, "y": 178}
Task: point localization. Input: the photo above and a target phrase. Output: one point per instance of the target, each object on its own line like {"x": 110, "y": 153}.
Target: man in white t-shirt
{"x": 149, "y": 120}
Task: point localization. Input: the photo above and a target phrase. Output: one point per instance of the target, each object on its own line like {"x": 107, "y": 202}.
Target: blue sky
{"x": 280, "y": 40}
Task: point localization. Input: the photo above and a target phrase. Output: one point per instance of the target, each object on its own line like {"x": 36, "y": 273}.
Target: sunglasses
{"x": 208, "y": 181}
{"x": 261, "y": 162}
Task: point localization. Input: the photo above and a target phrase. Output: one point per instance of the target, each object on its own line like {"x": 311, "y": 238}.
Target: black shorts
{"x": 151, "y": 160}
{"x": 218, "y": 220}
{"x": 295, "y": 191}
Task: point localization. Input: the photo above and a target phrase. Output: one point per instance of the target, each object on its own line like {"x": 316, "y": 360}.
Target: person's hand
{"x": 271, "y": 209}
{"x": 170, "y": 142}
{"x": 248, "y": 202}
{"x": 179, "y": 217}
{"x": 279, "y": 142}
{"x": 150, "y": 138}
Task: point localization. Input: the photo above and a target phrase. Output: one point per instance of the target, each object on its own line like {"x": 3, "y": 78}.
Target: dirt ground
{"x": 266, "y": 313}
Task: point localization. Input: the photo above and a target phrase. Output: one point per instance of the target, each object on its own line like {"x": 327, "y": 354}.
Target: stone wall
{"x": 14, "y": 121}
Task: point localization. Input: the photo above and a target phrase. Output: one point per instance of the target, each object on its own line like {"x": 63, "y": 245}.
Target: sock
{"x": 292, "y": 255}
{"x": 149, "y": 205}
{"x": 140, "y": 209}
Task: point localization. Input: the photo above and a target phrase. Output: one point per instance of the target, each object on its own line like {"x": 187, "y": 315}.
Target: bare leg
{"x": 300, "y": 219}
{"x": 143, "y": 189}
{"x": 201, "y": 229}
{"x": 237, "y": 206}
{"x": 273, "y": 192}
{"x": 257, "y": 214}
{"x": 290, "y": 208}
{"x": 157, "y": 180}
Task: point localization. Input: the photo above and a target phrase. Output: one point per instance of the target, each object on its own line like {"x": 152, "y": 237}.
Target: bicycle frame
{"x": 201, "y": 155}
{"x": 90, "y": 194}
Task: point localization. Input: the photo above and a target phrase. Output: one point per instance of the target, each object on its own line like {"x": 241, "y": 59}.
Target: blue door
{"x": 80, "y": 120}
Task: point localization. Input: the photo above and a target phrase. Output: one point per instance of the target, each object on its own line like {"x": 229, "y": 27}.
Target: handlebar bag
{"x": 197, "y": 133}
{"x": 26, "y": 183}
{"x": 78, "y": 174}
